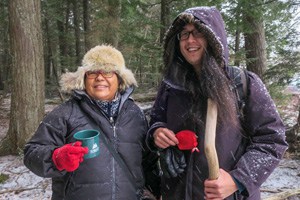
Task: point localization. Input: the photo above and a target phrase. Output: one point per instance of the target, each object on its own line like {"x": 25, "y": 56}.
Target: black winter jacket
{"x": 99, "y": 177}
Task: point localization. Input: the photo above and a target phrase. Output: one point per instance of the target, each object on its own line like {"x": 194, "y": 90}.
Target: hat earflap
{"x": 73, "y": 80}
{"x": 128, "y": 77}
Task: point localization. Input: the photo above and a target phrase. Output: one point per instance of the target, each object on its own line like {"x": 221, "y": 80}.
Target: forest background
{"x": 41, "y": 39}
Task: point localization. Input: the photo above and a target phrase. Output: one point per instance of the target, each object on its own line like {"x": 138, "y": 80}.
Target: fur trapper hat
{"x": 102, "y": 57}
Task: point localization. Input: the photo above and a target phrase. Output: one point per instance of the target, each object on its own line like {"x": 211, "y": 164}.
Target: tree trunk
{"x": 164, "y": 18}
{"x": 77, "y": 31}
{"x": 255, "y": 46}
{"x": 298, "y": 121}
{"x": 237, "y": 38}
{"x": 113, "y": 22}
{"x": 4, "y": 44}
{"x": 86, "y": 25}
{"x": 63, "y": 30}
{"x": 27, "y": 98}
{"x": 255, "y": 49}
{"x": 104, "y": 22}
{"x": 48, "y": 53}
{"x": 237, "y": 48}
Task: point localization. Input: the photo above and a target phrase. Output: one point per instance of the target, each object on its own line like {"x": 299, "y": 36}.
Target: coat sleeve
{"x": 267, "y": 138}
{"x": 50, "y": 135}
{"x": 158, "y": 114}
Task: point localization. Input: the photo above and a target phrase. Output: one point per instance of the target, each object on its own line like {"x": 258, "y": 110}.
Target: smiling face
{"x": 193, "y": 47}
{"x": 102, "y": 88}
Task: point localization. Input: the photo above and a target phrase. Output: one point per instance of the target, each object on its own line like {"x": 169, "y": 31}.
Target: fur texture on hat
{"x": 102, "y": 57}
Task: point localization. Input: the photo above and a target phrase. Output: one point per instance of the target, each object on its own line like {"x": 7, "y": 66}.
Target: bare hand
{"x": 164, "y": 138}
{"x": 221, "y": 188}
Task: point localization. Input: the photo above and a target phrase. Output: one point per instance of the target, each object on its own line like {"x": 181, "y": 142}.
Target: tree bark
{"x": 255, "y": 48}
{"x": 255, "y": 44}
{"x": 86, "y": 25}
{"x": 4, "y": 44}
{"x": 27, "y": 98}
{"x": 164, "y": 18}
{"x": 63, "y": 30}
{"x": 298, "y": 121}
{"x": 237, "y": 38}
{"x": 77, "y": 31}
{"x": 113, "y": 25}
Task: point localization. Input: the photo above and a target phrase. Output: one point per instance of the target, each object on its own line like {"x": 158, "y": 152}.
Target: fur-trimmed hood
{"x": 102, "y": 57}
{"x": 209, "y": 21}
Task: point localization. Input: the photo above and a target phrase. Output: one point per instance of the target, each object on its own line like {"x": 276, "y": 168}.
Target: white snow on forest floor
{"x": 24, "y": 185}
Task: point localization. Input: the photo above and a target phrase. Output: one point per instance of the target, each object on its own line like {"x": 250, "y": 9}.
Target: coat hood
{"x": 102, "y": 57}
{"x": 207, "y": 20}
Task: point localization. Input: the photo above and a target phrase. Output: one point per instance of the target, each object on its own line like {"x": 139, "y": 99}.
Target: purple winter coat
{"x": 249, "y": 159}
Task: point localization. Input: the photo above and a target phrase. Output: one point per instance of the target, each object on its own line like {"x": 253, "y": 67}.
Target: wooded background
{"x": 41, "y": 39}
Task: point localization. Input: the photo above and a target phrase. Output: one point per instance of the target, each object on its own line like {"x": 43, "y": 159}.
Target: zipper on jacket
{"x": 112, "y": 122}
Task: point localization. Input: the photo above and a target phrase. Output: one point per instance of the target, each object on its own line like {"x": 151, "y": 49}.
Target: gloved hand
{"x": 69, "y": 156}
{"x": 172, "y": 162}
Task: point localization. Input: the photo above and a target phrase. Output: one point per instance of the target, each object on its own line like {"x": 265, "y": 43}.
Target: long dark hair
{"x": 212, "y": 82}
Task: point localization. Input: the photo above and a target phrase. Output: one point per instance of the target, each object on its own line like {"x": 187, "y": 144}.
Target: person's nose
{"x": 191, "y": 37}
{"x": 100, "y": 77}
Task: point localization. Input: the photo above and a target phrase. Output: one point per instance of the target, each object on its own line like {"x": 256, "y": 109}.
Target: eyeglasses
{"x": 95, "y": 74}
{"x": 184, "y": 35}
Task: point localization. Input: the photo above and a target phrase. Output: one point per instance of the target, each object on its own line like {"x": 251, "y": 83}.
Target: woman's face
{"x": 192, "y": 45}
{"x": 101, "y": 85}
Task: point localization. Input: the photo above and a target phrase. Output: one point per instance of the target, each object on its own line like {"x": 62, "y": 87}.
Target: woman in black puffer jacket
{"x": 101, "y": 91}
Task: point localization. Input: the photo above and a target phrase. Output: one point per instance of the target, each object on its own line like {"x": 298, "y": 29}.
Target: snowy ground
{"x": 24, "y": 185}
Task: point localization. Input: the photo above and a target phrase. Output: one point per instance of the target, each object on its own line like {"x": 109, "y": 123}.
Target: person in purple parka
{"x": 196, "y": 68}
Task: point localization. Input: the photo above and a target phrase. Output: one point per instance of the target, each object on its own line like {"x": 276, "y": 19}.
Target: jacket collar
{"x": 81, "y": 94}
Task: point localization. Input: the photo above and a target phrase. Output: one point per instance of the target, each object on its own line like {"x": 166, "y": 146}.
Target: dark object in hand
{"x": 172, "y": 162}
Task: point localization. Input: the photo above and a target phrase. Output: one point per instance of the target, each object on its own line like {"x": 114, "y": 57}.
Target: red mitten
{"x": 187, "y": 140}
{"x": 69, "y": 156}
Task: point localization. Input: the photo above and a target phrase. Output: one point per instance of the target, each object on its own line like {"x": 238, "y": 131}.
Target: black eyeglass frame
{"x": 195, "y": 33}
{"x": 95, "y": 74}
